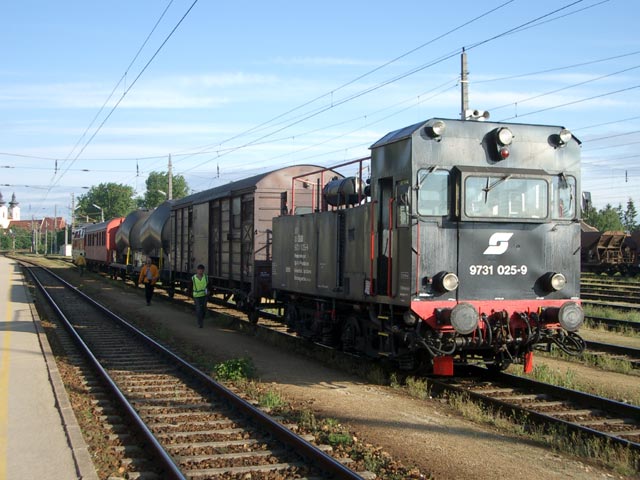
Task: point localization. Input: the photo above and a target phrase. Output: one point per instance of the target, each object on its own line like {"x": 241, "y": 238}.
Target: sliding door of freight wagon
{"x": 215, "y": 239}
{"x": 246, "y": 249}
{"x": 182, "y": 234}
{"x": 235, "y": 226}
{"x": 225, "y": 233}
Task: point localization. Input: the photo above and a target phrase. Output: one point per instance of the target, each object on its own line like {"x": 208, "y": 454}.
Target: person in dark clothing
{"x": 200, "y": 293}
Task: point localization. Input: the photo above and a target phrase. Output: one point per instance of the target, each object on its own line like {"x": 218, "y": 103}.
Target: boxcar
{"x": 228, "y": 229}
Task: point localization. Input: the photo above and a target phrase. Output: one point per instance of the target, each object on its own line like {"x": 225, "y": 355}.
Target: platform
{"x": 39, "y": 435}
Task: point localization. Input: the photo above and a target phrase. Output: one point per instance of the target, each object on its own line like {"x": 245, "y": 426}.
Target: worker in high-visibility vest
{"x": 200, "y": 293}
{"x": 149, "y": 275}
{"x": 81, "y": 263}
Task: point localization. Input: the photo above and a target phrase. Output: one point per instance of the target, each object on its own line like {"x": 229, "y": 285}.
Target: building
{"x": 8, "y": 214}
{"x": 46, "y": 224}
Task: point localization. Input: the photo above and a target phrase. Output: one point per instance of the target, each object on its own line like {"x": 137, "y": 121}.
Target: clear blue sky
{"x": 241, "y": 87}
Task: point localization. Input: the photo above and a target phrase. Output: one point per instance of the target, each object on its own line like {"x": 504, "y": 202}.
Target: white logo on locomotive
{"x": 498, "y": 243}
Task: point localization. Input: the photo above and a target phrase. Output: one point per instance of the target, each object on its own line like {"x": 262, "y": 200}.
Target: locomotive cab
{"x": 494, "y": 238}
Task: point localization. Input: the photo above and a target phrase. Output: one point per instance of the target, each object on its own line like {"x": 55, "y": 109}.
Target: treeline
{"x": 612, "y": 218}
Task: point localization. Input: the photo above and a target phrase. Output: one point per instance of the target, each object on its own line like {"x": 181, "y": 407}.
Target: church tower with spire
{"x": 4, "y": 213}
{"x": 14, "y": 210}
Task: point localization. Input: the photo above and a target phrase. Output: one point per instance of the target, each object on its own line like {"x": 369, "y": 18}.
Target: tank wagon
{"x": 129, "y": 254}
{"x": 467, "y": 249}
{"x": 228, "y": 229}
{"x": 155, "y": 240}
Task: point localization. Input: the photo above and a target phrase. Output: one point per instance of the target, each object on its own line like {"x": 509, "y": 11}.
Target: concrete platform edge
{"x": 80, "y": 452}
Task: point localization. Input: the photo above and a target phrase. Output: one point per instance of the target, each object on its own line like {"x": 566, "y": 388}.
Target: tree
{"x": 158, "y": 189}
{"x": 604, "y": 219}
{"x": 21, "y": 237}
{"x": 115, "y": 200}
{"x": 629, "y": 217}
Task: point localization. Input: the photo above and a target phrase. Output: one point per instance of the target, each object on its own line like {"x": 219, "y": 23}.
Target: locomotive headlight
{"x": 571, "y": 316}
{"x": 445, "y": 282}
{"x": 464, "y": 318}
{"x": 565, "y": 135}
{"x": 436, "y": 129}
{"x": 560, "y": 139}
{"x": 554, "y": 282}
{"x": 504, "y": 136}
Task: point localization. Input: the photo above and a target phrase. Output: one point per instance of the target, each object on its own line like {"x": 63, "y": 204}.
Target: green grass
{"x": 604, "y": 452}
{"x": 271, "y": 400}
{"x": 569, "y": 379}
{"x": 595, "y": 311}
{"x": 235, "y": 369}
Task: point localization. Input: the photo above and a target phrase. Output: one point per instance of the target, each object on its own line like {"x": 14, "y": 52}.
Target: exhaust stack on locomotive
{"x": 467, "y": 249}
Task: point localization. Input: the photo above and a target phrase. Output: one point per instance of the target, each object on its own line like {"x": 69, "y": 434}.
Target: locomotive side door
{"x": 385, "y": 236}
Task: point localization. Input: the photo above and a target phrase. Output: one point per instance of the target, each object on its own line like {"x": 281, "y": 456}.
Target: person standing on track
{"x": 148, "y": 276}
{"x": 200, "y": 293}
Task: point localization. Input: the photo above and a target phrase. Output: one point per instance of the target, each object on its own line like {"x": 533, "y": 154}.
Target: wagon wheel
{"x": 254, "y": 316}
{"x": 350, "y": 333}
{"x": 291, "y": 318}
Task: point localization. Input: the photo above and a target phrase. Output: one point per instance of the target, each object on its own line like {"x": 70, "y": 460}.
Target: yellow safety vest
{"x": 199, "y": 286}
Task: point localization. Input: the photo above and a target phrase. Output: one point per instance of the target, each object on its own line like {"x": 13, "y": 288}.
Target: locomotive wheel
{"x": 500, "y": 363}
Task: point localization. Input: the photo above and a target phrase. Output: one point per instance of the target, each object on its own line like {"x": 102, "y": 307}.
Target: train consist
{"x": 462, "y": 246}
{"x": 611, "y": 252}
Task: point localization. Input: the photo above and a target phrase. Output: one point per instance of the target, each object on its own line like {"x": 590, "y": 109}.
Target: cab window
{"x": 563, "y": 197}
{"x": 433, "y": 192}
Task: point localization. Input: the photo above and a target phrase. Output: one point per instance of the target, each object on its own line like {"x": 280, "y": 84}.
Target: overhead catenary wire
{"x": 122, "y": 78}
{"x": 396, "y": 78}
{"x": 265, "y": 138}
{"x": 155, "y": 54}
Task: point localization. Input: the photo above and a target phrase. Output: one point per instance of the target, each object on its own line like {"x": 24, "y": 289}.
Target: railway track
{"x": 614, "y": 323}
{"x": 193, "y": 426}
{"x": 551, "y": 407}
{"x": 542, "y": 403}
{"x": 632, "y": 355}
{"x": 607, "y": 295}
{"x": 595, "y": 301}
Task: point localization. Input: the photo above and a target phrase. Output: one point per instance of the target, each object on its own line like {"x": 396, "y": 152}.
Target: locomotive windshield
{"x": 505, "y": 197}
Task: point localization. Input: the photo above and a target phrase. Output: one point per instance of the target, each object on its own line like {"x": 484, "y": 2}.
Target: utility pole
{"x": 464, "y": 85}
{"x": 73, "y": 211}
{"x": 55, "y": 230}
{"x": 170, "y": 178}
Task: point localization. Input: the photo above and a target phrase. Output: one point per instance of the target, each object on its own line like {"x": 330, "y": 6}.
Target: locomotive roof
{"x": 408, "y": 131}
{"x": 226, "y": 190}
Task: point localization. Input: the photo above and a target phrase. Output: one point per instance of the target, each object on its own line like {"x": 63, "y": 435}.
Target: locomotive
{"x": 462, "y": 246}
{"x": 467, "y": 249}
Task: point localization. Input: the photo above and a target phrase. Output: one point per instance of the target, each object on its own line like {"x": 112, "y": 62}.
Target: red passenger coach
{"x": 99, "y": 242}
